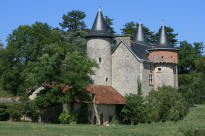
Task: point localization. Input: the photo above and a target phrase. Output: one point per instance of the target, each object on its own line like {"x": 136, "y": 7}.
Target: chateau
{"x": 122, "y": 70}
{"x": 131, "y": 62}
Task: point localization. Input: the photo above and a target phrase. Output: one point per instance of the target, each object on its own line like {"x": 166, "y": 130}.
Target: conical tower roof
{"x": 163, "y": 39}
{"x": 140, "y": 35}
{"x": 99, "y": 28}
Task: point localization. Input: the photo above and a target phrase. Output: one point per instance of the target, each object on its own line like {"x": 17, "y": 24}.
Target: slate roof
{"x": 163, "y": 39}
{"x": 140, "y": 36}
{"x": 99, "y": 28}
{"x": 140, "y": 50}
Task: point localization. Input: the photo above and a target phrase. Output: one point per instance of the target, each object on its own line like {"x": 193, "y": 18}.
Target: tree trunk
{"x": 66, "y": 107}
{"x": 96, "y": 112}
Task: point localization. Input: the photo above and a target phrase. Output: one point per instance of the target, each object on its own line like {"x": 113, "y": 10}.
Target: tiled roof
{"x": 106, "y": 94}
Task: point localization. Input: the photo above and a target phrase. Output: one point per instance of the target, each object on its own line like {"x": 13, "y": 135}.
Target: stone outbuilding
{"x": 104, "y": 104}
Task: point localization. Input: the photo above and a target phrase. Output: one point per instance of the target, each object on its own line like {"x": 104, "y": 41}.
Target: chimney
{"x": 125, "y": 37}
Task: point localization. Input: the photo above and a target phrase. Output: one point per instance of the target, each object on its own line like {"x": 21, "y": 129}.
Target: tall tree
{"x": 73, "y": 21}
{"x": 60, "y": 65}
{"x": 188, "y": 54}
{"x": 109, "y": 23}
{"x": 25, "y": 45}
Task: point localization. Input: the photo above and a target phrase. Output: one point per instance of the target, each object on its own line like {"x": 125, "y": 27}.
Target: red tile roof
{"x": 106, "y": 94}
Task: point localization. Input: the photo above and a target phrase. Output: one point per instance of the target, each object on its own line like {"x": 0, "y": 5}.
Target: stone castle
{"x": 133, "y": 61}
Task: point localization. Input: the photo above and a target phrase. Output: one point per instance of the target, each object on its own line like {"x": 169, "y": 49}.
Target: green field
{"x": 195, "y": 119}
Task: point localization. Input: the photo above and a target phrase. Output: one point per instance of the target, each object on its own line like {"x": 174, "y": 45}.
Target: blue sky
{"x": 187, "y": 17}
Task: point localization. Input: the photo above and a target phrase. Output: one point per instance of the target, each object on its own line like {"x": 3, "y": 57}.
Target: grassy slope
{"x": 196, "y": 118}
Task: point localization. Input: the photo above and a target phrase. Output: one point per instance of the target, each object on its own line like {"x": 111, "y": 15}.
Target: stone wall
{"x": 99, "y": 49}
{"x": 125, "y": 70}
{"x": 165, "y": 76}
{"x": 146, "y": 71}
{"x": 107, "y": 111}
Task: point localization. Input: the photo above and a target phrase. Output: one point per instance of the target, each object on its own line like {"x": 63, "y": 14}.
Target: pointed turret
{"x": 99, "y": 28}
{"x": 140, "y": 35}
{"x": 163, "y": 39}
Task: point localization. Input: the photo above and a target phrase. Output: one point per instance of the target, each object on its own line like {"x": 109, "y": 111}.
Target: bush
{"x": 16, "y": 110}
{"x": 114, "y": 121}
{"x": 4, "y": 115}
{"x": 166, "y": 104}
{"x": 135, "y": 110}
{"x": 66, "y": 118}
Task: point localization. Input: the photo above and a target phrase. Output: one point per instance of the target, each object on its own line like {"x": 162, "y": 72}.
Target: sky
{"x": 187, "y": 17}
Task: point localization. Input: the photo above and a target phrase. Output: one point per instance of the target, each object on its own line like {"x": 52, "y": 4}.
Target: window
{"x": 150, "y": 79}
{"x": 100, "y": 60}
{"x": 106, "y": 79}
{"x": 159, "y": 69}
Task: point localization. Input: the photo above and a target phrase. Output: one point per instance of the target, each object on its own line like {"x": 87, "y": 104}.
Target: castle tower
{"x": 165, "y": 58}
{"x": 99, "y": 49}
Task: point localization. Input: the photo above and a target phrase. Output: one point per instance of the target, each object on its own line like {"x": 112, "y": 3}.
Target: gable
{"x": 119, "y": 46}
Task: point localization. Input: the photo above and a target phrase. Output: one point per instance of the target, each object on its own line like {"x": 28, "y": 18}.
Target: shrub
{"x": 4, "y": 115}
{"x": 66, "y": 118}
{"x": 135, "y": 110}
{"x": 166, "y": 104}
{"x": 16, "y": 111}
{"x": 114, "y": 121}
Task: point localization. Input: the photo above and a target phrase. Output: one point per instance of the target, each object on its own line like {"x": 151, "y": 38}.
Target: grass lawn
{"x": 195, "y": 119}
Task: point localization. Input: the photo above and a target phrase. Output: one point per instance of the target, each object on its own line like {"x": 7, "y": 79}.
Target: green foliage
{"x": 73, "y": 21}
{"x": 83, "y": 114}
{"x": 188, "y": 54}
{"x": 134, "y": 109}
{"x": 114, "y": 121}
{"x": 4, "y": 115}
{"x": 166, "y": 104}
{"x": 192, "y": 87}
{"x": 68, "y": 118}
{"x": 193, "y": 131}
{"x": 4, "y": 93}
{"x": 16, "y": 111}
{"x": 109, "y": 23}
{"x": 200, "y": 65}
{"x": 25, "y": 45}
{"x": 62, "y": 66}
{"x": 64, "y": 118}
